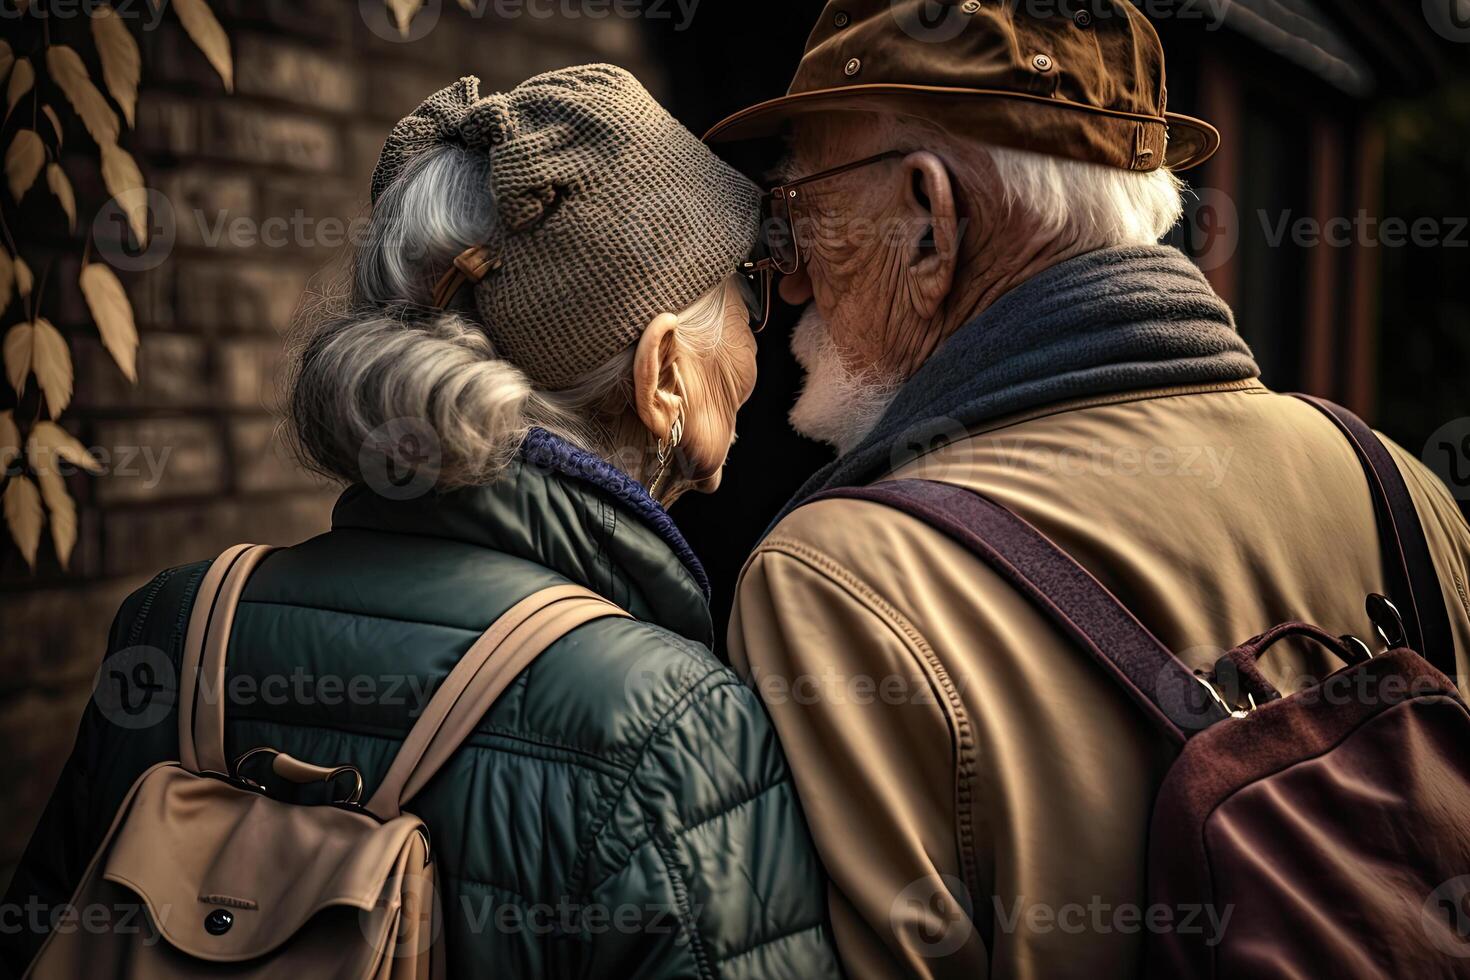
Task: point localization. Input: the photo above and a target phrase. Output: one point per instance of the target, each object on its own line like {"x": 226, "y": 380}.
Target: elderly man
{"x": 978, "y": 200}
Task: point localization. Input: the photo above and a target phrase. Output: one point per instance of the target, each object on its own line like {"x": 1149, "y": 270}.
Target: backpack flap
{"x": 230, "y": 875}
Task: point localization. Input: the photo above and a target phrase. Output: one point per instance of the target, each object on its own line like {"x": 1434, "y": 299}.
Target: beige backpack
{"x": 204, "y": 874}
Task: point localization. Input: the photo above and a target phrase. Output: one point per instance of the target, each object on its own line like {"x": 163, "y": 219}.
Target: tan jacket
{"x": 979, "y": 790}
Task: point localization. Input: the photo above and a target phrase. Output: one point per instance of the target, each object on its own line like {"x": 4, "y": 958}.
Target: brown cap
{"x": 1082, "y": 79}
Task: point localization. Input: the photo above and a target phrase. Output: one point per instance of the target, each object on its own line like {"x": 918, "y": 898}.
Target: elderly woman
{"x": 545, "y": 345}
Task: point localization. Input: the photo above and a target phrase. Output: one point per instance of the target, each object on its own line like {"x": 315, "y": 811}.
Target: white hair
{"x": 1098, "y": 206}
{"x": 1089, "y": 204}
{"x": 378, "y": 355}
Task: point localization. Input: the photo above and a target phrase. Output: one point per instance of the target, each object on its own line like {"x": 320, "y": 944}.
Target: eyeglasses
{"x": 779, "y": 237}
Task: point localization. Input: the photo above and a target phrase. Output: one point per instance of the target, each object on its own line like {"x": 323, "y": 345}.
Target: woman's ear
{"x": 658, "y": 391}
{"x": 933, "y": 241}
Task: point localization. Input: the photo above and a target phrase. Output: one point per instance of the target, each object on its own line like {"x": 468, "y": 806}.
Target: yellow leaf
{"x": 24, "y": 517}
{"x": 61, "y": 187}
{"x": 50, "y": 114}
{"x": 63, "y": 515}
{"x": 23, "y": 162}
{"x": 21, "y": 82}
{"x": 50, "y": 445}
{"x": 23, "y": 278}
{"x": 9, "y": 441}
{"x": 110, "y": 308}
{"x": 7, "y": 58}
{"x": 48, "y": 448}
{"x": 19, "y": 340}
{"x": 7, "y": 278}
{"x": 51, "y": 362}
{"x": 202, "y": 27}
{"x": 70, "y": 75}
{"x": 125, "y": 183}
{"x": 403, "y": 13}
{"x": 121, "y": 63}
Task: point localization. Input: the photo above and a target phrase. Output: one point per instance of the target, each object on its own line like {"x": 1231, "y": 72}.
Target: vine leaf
{"x": 54, "y": 443}
{"x": 468, "y": 5}
{"x": 7, "y": 59}
{"x": 121, "y": 62}
{"x": 60, "y": 186}
{"x": 23, "y": 277}
{"x": 403, "y": 13}
{"x": 207, "y": 34}
{"x": 17, "y": 353}
{"x": 70, "y": 75}
{"x": 22, "y": 79}
{"x": 38, "y": 347}
{"x": 23, "y": 161}
{"x": 24, "y": 517}
{"x": 48, "y": 447}
{"x": 9, "y": 441}
{"x": 125, "y": 183}
{"x": 50, "y": 114}
{"x": 7, "y": 278}
{"x": 113, "y": 314}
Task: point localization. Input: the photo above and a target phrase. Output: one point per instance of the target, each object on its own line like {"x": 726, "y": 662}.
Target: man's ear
{"x": 933, "y": 241}
{"x": 658, "y": 391}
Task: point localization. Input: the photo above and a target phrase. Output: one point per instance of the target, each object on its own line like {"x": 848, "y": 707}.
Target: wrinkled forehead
{"x": 820, "y": 142}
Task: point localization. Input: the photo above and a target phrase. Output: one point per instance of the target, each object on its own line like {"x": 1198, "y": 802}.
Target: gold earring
{"x": 666, "y": 454}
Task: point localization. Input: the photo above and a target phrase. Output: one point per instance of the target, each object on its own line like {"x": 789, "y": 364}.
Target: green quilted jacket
{"x": 624, "y": 810}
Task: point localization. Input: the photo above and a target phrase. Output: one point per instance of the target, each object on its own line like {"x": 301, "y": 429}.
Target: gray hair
{"x": 371, "y": 353}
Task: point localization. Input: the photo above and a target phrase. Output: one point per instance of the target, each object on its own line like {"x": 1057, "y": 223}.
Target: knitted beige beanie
{"x": 611, "y": 212}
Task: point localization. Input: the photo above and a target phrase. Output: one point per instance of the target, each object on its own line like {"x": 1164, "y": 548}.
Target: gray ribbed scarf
{"x": 1114, "y": 320}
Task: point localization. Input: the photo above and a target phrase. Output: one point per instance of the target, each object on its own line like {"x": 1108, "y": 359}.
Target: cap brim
{"x": 1191, "y": 141}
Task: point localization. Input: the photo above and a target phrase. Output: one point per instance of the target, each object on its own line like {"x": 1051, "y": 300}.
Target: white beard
{"x": 836, "y": 406}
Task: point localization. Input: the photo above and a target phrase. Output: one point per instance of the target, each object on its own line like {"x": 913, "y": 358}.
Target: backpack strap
{"x": 202, "y": 671}
{"x": 458, "y": 706}
{"x": 1412, "y": 581}
{"x": 1174, "y": 698}
{"x": 489, "y": 666}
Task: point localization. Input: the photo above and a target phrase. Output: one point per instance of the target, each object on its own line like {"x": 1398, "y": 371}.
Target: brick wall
{"x": 316, "y": 91}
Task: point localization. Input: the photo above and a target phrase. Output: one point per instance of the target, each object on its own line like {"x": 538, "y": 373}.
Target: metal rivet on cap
{"x": 970, "y": 6}
{"x": 1083, "y": 18}
{"x": 841, "y": 19}
{"x": 218, "y": 922}
{"x": 853, "y": 67}
{"x": 1041, "y": 62}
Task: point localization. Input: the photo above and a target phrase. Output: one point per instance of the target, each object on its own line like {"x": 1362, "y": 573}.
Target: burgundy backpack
{"x": 1332, "y": 825}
